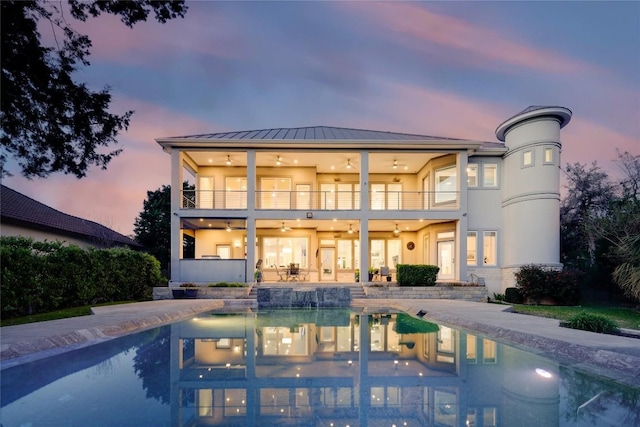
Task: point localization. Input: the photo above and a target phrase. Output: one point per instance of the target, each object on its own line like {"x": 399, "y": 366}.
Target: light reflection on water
{"x": 308, "y": 367}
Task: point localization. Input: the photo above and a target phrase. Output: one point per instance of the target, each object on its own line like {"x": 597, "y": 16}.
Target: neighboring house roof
{"x": 18, "y": 209}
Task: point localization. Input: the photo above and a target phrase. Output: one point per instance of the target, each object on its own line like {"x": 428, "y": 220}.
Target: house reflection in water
{"x": 321, "y": 367}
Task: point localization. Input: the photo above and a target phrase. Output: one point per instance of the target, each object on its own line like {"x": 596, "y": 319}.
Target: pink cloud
{"x": 415, "y": 109}
{"x": 414, "y": 25}
{"x": 206, "y": 34}
{"x": 585, "y": 141}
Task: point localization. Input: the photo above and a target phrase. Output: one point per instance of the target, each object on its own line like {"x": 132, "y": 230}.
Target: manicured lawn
{"x": 60, "y": 314}
{"x": 627, "y": 318}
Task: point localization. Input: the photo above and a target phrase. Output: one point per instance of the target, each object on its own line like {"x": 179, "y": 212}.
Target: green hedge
{"x": 39, "y": 277}
{"x": 536, "y": 283}
{"x": 416, "y": 274}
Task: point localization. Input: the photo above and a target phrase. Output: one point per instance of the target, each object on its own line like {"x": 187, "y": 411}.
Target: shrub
{"x": 416, "y": 274}
{"x": 536, "y": 283}
{"x": 188, "y": 285}
{"x": 226, "y": 285}
{"x": 513, "y": 296}
{"x": 591, "y": 322}
{"x": 498, "y": 297}
{"x": 39, "y": 277}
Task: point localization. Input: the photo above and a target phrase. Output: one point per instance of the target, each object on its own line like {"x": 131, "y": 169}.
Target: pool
{"x": 330, "y": 367}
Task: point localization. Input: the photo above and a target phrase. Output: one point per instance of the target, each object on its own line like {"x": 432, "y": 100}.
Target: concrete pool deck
{"x": 612, "y": 356}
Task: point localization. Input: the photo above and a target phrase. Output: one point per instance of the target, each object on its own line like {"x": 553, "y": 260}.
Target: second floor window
{"x": 236, "y": 193}
{"x": 275, "y": 193}
{"x": 386, "y": 196}
{"x": 446, "y": 184}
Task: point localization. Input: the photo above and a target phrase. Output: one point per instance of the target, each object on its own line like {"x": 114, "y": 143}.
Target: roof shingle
{"x": 16, "y": 208}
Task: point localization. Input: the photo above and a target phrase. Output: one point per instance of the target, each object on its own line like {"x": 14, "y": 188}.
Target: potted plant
{"x": 356, "y": 274}
{"x": 185, "y": 290}
{"x": 372, "y": 272}
{"x": 258, "y": 276}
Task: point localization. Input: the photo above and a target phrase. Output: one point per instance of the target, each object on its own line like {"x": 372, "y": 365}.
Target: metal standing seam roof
{"x": 316, "y": 133}
{"x": 16, "y": 208}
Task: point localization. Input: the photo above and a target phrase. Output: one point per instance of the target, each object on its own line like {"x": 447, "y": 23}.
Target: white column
{"x": 252, "y": 257}
{"x": 364, "y": 216}
{"x": 176, "y": 234}
{"x": 461, "y": 225}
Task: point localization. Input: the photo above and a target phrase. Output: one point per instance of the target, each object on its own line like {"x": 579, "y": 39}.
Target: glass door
{"x": 446, "y": 260}
{"x": 327, "y": 264}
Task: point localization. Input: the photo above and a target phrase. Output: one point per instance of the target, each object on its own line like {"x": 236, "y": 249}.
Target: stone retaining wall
{"x": 205, "y": 293}
{"x": 464, "y": 293}
{"x": 303, "y": 298}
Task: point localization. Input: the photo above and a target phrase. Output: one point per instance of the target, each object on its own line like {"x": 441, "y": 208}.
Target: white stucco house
{"x": 337, "y": 200}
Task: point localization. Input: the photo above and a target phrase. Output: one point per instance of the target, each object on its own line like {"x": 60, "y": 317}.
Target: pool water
{"x": 330, "y": 367}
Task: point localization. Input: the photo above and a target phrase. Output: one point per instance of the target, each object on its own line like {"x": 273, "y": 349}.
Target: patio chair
{"x": 282, "y": 274}
{"x": 384, "y": 272}
{"x": 294, "y": 271}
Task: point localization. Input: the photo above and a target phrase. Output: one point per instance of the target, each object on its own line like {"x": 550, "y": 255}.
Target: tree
{"x": 589, "y": 197}
{"x": 152, "y": 227}
{"x": 600, "y": 224}
{"x": 49, "y": 122}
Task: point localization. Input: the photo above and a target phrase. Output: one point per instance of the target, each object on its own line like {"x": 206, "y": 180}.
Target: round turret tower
{"x": 531, "y": 189}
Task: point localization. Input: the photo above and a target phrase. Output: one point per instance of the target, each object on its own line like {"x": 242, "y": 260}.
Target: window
{"x": 394, "y": 250}
{"x": 377, "y": 196}
{"x": 527, "y": 158}
{"x": 427, "y": 193}
{"x": 275, "y": 193}
{"x": 205, "y": 192}
{"x": 386, "y": 196}
{"x": 345, "y": 196}
{"x": 377, "y": 253}
{"x": 303, "y": 196}
{"x": 345, "y": 254}
{"x": 282, "y": 251}
{"x": 490, "y": 247}
{"x": 490, "y": 175}
{"x": 446, "y": 184}
{"x": 394, "y": 196}
{"x": 472, "y": 175}
{"x": 489, "y": 351}
{"x": 236, "y": 195}
{"x": 548, "y": 156}
{"x": 327, "y": 196}
{"x": 472, "y": 352}
{"x": 341, "y": 196}
{"x": 472, "y": 249}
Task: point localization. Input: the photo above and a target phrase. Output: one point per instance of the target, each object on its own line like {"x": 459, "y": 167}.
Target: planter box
{"x": 184, "y": 293}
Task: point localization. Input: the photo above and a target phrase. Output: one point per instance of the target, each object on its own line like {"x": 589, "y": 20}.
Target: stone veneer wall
{"x": 205, "y": 293}
{"x": 303, "y": 298}
{"x": 464, "y": 293}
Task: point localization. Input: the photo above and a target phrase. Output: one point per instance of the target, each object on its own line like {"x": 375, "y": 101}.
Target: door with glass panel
{"x": 327, "y": 264}
{"x": 446, "y": 260}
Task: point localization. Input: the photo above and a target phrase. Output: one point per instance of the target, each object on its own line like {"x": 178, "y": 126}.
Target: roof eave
{"x": 169, "y": 143}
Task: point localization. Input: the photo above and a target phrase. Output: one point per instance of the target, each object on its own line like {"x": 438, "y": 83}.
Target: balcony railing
{"x": 321, "y": 200}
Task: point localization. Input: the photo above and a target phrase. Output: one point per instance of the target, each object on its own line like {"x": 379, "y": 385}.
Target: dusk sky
{"x": 451, "y": 69}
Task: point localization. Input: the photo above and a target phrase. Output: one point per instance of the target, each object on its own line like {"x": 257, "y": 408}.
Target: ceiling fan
{"x": 398, "y": 166}
{"x": 284, "y": 228}
{"x": 281, "y": 161}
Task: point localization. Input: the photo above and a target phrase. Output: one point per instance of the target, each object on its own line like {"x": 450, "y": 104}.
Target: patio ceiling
{"x": 336, "y": 226}
{"x": 323, "y": 162}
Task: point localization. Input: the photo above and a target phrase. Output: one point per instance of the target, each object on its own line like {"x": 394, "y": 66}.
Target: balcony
{"x": 321, "y": 200}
